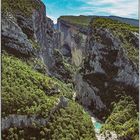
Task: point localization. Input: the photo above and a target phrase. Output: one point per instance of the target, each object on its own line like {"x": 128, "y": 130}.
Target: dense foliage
{"x": 64, "y": 123}
{"x": 25, "y": 91}
{"x": 71, "y": 123}
{"x": 123, "y": 119}
{"x": 112, "y": 24}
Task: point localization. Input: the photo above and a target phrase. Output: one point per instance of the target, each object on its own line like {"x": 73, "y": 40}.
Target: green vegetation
{"x": 121, "y": 30}
{"x": 78, "y": 20}
{"x": 70, "y": 123}
{"x": 24, "y": 91}
{"x": 65, "y": 123}
{"x": 123, "y": 119}
{"x": 100, "y": 22}
{"x": 25, "y": 7}
{"x": 69, "y": 67}
{"x": 34, "y": 44}
{"x": 132, "y": 53}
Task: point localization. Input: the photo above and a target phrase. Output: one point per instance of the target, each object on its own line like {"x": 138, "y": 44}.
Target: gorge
{"x": 69, "y": 82}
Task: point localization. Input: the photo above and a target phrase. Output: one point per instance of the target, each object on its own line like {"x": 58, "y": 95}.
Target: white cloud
{"x": 125, "y": 8}
{"x": 100, "y": 2}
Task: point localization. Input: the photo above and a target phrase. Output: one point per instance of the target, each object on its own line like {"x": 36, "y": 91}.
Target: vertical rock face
{"x": 108, "y": 60}
{"x": 108, "y": 70}
{"x": 45, "y": 34}
{"x": 33, "y": 33}
{"x": 87, "y": 95}
{"x": 73, "y": 40}
{"x": 13, "y": 38}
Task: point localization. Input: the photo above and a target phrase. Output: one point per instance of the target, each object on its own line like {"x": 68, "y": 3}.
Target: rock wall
{"x": 86, "y": 95}
{"x": 105, "y": 71}
{"x": 30, "y": 35}
{"x": 13, "y": 38}
{"x": 47, "y": 37}
{"x": 29, "y": 121}
{"x": 73, "y": 40}
{"x": 22, "y": 121}
{"x": 108, "y": 72}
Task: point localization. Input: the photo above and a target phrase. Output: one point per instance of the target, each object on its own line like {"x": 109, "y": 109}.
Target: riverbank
{"x": 97, "y": 126}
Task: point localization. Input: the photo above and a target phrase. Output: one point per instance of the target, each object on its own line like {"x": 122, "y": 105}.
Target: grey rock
{"x": 86, "y": 94}
{"x": 13, "y": 39}
{"x": 18, "y": 30}
{"x": 29, "y": 121}
{"x": 63, "y": 102}
{"x": 46, "y": 36}
{"x": 106, "y": 67}
{"x": 108, "y": 135}
{"x": 73, "y": 40}
{"x": 22, "y": 121}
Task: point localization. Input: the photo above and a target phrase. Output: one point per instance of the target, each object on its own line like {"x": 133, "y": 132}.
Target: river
{"x": 96, "y": 122}
{"x": 97, "y": 126}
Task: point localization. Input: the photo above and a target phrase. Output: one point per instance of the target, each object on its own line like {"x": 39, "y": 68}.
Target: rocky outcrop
{"x": 47, "y": 37}
{"x": 108, "y": 72}
{"x": 29, "y": 121}
{"x": 22, "y": 121}
{"x": 32, "y": 34}
{"x": 74, "y": 45}
{"x": 107, "y": 136}
{"x": 73, "y": 40}
{"x": 13, "y": 38}
{"x": 62, "y": 69}
{"x": 86, "y": 95}
{"x": 108, "y": 68}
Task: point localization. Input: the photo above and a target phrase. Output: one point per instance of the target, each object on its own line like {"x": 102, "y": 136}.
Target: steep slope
{"x": 40, "y": 105}
{"x": 36, "y": 105}
{"x": 73, "y": 40}
{"x": 108, "y": 69}
{"x": 123, "y": 119}
{"x": 28, "y": 21}
{"x": 111, "y": 65}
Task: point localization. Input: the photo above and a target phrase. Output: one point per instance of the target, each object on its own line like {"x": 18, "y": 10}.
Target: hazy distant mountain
{"x": 130, "y": 21}
{"x": 133, "y": 22}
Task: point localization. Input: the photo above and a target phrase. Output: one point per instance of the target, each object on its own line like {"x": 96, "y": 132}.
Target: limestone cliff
{"x": 73, "y": 40}
{"x": 27, "y": 34}
{"x": 108, "y": 56}
{"x": 111, "y": 65}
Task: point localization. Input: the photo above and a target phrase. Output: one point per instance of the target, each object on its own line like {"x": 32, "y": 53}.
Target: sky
{"x": 122, "y": 8}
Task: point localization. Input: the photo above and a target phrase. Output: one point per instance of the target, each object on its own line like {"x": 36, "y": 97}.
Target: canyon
{"x": 86, "y": 63}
